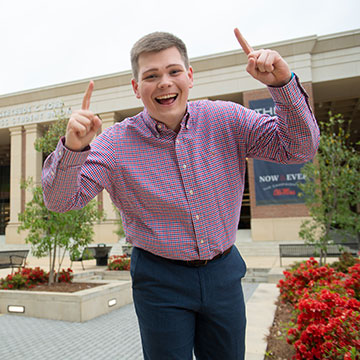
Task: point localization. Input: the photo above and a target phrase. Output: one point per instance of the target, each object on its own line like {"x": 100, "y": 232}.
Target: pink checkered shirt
{"x": 180, "y": 194}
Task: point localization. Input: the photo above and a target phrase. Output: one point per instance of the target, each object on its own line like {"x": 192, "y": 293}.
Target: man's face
{"x": 163, "y": 85}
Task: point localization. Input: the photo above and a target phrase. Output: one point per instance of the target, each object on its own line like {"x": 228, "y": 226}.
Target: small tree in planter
{"x": 332, "y": 187}
{"x": 52, "y": 233}
{"x": 127, "y": 248}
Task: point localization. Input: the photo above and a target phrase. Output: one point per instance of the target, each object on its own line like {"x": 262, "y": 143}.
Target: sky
{"x": 48, "y": 42}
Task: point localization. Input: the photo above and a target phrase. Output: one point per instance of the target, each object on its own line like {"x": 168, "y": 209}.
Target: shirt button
{"x": 60, "y": 153}
{"x": 184, "y": 166}
{"x": 177, "y": 141}
{"x": 159, "y": 126}
{"x": 191, "y": 192}
{"x": 202, "y": 241}
{"x": 197, "y": 217}
{"x": 187, "y": 126}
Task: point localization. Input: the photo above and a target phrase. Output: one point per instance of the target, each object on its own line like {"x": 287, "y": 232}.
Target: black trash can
{"x": 102, "y": 255}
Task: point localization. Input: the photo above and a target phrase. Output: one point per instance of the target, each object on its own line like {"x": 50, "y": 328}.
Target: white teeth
{"x": 168, "y": 96}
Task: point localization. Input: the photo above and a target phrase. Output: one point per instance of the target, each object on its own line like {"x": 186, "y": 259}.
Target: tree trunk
{"x": 61, "y": 259}
{"x": 52, "y": 266}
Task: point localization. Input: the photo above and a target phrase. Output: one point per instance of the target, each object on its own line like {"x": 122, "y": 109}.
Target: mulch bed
{"x": 64, "y": 287}
{"x": 278, "y": 348}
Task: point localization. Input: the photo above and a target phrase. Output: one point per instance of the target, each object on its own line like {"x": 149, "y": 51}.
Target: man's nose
{"x": 164, "y": 82}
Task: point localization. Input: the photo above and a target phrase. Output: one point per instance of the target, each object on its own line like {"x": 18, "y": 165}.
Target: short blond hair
{"x": 155, "y": 42}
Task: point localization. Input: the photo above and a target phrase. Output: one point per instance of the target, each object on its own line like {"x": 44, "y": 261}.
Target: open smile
{"x": 167, "y": 99}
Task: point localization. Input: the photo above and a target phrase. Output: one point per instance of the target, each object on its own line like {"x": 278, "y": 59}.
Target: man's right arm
{"x": 64, "y": 187}
{"x": 61, "y": 177}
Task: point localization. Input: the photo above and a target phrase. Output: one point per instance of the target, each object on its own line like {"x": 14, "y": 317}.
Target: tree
{"x": 332, "y": 187}
{"x": 119, "y": 229}
{"x": 52, "y": 233}
{"x": 127, "y": 247}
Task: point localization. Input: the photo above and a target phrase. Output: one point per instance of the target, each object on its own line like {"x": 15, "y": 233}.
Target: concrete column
{"x": 108, "y": 119}
{"x": 33, "y": 158}
{"x": 104, "y": 232}
{"x": 17, "y": 199}
{"x": 16, "y": 173}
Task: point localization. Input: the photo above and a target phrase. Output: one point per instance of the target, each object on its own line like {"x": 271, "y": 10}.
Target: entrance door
{"x": 245, "y": 215}
{"x": 4, "y": 197}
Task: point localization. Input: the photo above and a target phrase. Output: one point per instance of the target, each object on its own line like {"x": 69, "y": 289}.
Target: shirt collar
{"x": 156, "y": 126}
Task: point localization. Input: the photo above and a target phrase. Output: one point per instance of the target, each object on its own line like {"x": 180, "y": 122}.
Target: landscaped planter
{"x": 80, "y": 306}
{"x": 103, "y": 275}
{"x": 116, "y": 275}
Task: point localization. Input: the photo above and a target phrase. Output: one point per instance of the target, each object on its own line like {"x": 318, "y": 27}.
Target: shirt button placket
{"x": 182, "y": 159}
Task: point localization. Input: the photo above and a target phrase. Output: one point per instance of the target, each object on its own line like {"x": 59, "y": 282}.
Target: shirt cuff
{"x": 291, "y": 93}
{"x": 68, "y": 157}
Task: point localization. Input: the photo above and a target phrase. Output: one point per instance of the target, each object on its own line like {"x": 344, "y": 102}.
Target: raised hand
{"x": 266, "y": 65}
{"x": 83, "y": 125}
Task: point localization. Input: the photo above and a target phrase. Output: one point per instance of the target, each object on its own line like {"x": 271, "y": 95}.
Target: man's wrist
{"x": 86, "y": 148}
{"x": 285, "y": 82}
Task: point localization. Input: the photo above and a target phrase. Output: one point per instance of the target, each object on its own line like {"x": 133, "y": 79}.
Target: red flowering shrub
{"x": 303, "y": 278}
{"x": 352, "y": 281}
{"x": 27, "y": 278}
{"x": 346, "y": 260}
{"x": 327, "y": 310}
{"x": 13, "y": 282}
{"x": 119, "y": 262}
{"x": 65, "y": 276}
{"x": 327, "y": 324}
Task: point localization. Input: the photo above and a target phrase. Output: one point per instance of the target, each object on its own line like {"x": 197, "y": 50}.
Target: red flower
{"x": 328, "y": 311}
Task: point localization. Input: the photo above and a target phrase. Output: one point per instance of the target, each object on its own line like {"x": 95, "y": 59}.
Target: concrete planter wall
{"x": 116, "y": 275}
{"x": 76, "y": 307}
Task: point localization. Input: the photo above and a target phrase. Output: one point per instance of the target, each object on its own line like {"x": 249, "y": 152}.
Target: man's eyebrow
{"x": 156, "y": 69}
{"x": 174, "y": 65}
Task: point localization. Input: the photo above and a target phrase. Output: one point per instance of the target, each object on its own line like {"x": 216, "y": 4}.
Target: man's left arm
{"x": 295, "y": 135}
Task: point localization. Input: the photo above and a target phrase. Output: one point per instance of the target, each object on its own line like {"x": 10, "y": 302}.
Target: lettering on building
{"x": 27, "y": 114}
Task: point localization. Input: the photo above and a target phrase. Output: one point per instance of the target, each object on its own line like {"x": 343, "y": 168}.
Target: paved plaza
{"x": 111, "y": 336}
{"x": 116, "y": 334}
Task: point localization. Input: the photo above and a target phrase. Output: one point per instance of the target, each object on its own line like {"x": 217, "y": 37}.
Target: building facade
{"x": 328, "y": 67}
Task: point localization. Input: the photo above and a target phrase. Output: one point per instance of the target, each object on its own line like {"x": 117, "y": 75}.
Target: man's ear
{"x": 190, "y": 74}
{"x": 135, "y": 87}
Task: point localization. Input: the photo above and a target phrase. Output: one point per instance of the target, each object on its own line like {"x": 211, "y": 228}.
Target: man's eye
{"x": 150, "y": 77}
{"x": 174, "y": 72}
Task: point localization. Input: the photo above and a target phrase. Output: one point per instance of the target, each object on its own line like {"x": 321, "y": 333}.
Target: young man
{"x": 176, "y": 173}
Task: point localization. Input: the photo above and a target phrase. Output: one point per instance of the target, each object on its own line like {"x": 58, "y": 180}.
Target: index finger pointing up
{"x": 244, "y": 44}
{"x": 86, "y": 100}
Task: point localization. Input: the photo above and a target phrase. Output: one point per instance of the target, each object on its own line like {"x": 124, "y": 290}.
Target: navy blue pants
{"x": 183, "y": 309}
